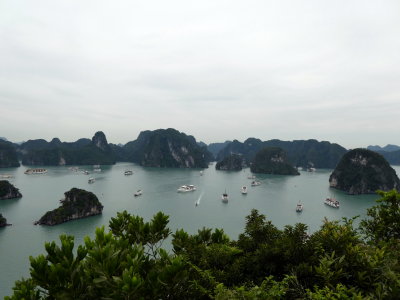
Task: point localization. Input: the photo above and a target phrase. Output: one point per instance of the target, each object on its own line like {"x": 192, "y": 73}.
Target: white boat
{"x": 138, "y": 193}
{"x": 201, "y": 173}
{"x": 251, "y": 177}
{"x": 332, "y": 202}
{"x": 35, "y": 171}
{"x": 186, "y": 188}
{"x": 86, "y": 172}
{"x": 244, "y": 190}
{"x": 91, "y": 180}
{"x": 6, "y": 176}
{"x": 98, "y": 170}
{"x": 225, "y": 197}
{"x": 255, "y": 183}
{"x": 299, "y": 207}
{"x": 128, "y": 172}
{"x": 311, "y": 169}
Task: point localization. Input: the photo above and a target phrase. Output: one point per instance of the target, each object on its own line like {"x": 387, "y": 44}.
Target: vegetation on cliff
{"x": 361, "y": 171}
{"x": 272, "y": 160}
{"x": 81, "y": 152}
{"x": 167, "y": 148}
{"x": 8, "y": 155}
{"x": 3, "y": 221}
{"x": 127, "y": 262}
{"x": 77, "y": 204}
{"x": 233, "y": 162}
{"x": 8, "y": 191}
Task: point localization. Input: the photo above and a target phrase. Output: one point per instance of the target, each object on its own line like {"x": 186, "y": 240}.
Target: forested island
{"x": 272, "y": 160}
{"x": 77, "y": 204}
{"x": 233, "y": 162}
{"x": 3, "y": 221}
{"x": 338, "y": 261}
{"x": 8, "y": 191}
{"x": 362, "y": 171}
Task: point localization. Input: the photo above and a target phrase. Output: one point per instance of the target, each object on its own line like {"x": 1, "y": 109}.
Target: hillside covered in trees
{"x": 338, "y": 261}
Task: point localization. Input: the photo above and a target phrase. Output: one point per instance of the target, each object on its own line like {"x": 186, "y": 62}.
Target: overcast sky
{"x": 217, "y": 70}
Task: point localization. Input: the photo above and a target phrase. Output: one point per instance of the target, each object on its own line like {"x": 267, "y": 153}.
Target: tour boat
{"x": 138, "y": 193}
{"x": 201, "y": 173}
{"x": 255, "y": 183}
{"x": 251, "y": 177}
{"x": 186, "y": 188}
{"x": 91, "y": 180}
{"x": 224, "y": 197}
{"x": 128, "y": 172}
{"x": 332, "y": 202}
{"x": 244, "y": 190}
{"x": 299, "y": 207}
{"x": 35, "y": 171}
{"x": 86, "y": 172}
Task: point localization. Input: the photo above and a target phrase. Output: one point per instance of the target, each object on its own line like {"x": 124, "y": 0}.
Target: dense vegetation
{"x": 304, "y": 153}
{"x": 233, "y": 162}
{"x": 81, "y": 152}
{"x": 362, "y": 171}
{"x": 77, "y": 204}
{"x": 167, "y": 148}
{"x": 339, "y": 261}
{"x": 272, "y": 160}
{"x": 8, "y": 155}
{"x": 8, "y": 191}
{"x": 3, "y": 221}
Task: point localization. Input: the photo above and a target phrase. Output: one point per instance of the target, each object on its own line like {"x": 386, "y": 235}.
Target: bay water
{"x": 276, "y": 198}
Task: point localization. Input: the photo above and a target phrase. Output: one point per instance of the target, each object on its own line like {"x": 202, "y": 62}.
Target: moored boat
{"x": 332, "y": 202}
{"x": 138, "y": 193}
{"x": 128, "y": 172}
{"x": 244, "y": 190}
{"x": 299, "y": 207}
{"x": 255, "y": 183}
{"x": 225, "y": 197}
{"x": 186, "y": 188}
{"x": 35, "y": 171}
{"x": 91, "y": 180}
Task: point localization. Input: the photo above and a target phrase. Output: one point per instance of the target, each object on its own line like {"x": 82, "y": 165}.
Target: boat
{"x": 186, "y": 188}
{"x": 96, "y": 168}
{"x": 244, "y": 190}
{"x": 201, "y": 173}
{"x": 128, "y": 172}
{"x": 255, "y": 183}
{"x": 86, "y": 172}
{"x": 332, "y": 202}
{"x": 225, "y": 197}
{"x": 138, "y": 193}
{"x": 251, "y": 177}
{"x": 299, "y": 207}
{"x": 35, "y": 171}
{"x": 6, "y": 176}
{"x": 91, "y": 180}
{"x": 311, "y": 169}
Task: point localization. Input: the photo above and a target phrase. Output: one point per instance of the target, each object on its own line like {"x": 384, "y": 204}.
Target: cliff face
{"x": 362, "y": 171}
{"x": 272, "y": 160}
{"x": 233, "y": 162}
{"x": 56, "y": 153}
{"x": 167, "y": 148}
{"x": 8, "y": 191}
{"x": 8, "y": 155}
{"x": 76, "y": 205}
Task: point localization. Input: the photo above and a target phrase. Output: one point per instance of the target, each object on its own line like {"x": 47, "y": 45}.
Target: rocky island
{"x": 8, "y": 155}
{"x": 8, "y": 191}
{"x": 233, "y": 162}
{"x": 77, "y": 204}
{"x": 361, "y": 171}
{"x": 3, "y": 221}
{"x": 272, "y": 160}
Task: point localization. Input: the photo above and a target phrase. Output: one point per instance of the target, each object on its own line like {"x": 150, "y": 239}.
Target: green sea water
{"x": 276, "y": 197}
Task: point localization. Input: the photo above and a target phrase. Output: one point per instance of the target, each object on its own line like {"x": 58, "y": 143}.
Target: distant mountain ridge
{"x": 390, "y": 152}
{"x": 300, "y": 153}
{"x": 387, "y": 148}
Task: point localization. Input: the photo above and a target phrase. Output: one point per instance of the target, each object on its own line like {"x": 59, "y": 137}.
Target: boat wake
{"x": 198, "y": 200}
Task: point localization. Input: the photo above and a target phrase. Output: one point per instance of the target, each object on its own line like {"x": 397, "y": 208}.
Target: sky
{"x": 217, "y": 70}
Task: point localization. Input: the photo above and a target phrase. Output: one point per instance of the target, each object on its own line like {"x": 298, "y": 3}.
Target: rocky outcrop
{"x": 3, "y": 221}
{"x": 77, "y": 204}
{"x": 8, "y": 191}
{"x": 8, "y": 155}
{"x": 167, "y": 148}
{"x": 272, "y": 160}
{"x": 233, "y": 162}
{"x": 361, "y": 171}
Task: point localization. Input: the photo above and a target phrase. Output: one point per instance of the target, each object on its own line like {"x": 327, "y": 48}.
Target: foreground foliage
{"x": 338, "y": 261}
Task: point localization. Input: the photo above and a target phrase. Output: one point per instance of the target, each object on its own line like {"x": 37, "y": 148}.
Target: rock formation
{"x": 8, "y": 155}
{"x": 8, "y": 191}
{"x": 77, "y": 204}
{"x": 361, "y": 171}
{"x": 272, "y": 160}
{"x": 233, "y": 162}
{"x": 3, "y": 221}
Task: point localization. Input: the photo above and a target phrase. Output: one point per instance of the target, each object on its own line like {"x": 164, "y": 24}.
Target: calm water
{"x": 276, "y": 197}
